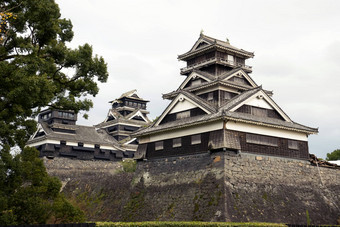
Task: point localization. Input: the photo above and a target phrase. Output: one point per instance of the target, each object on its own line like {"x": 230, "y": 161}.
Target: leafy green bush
{"x": 182, "y": 224}
{"x": 129, "y": 165}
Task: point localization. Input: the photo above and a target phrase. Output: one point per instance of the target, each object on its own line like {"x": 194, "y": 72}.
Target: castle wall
{"x": 221, "y": 186}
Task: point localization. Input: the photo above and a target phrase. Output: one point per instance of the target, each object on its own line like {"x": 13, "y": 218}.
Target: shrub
{"x": 129, "y": 165}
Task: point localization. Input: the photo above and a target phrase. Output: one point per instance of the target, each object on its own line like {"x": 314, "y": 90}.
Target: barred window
{"x": 177, "y": 142}
{"x": 196, "y": 139}
{"x": 263, "y": 140}
{"x": 183, "y": 114}
{"x": 159, "y": 145}
{"x": 293, "y": 144}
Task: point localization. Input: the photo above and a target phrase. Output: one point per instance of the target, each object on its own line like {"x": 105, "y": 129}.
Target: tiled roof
{"x": 268, "y": 121}
{"x": 179, "y": 124}
{"x": 120, "y": 121}
{"x": 172, "y": 94}
{"x": 239, "y": 98}
{"x": 128, "y": 95}
{"x": 223, "y": 43}
{"x": 85, "y": 134}
{"x": 200, "y": 101}
{"x": 205, "y": 74}
{"x": 224, "y": 113}
{"x": 228, "y": 73}
{"x": 214, "y": 43}
{"x": 133, "y": 113}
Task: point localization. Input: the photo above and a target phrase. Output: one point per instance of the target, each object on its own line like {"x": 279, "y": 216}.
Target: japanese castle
{"x": 218, "y": 107}
{"x": 58, "y": 135}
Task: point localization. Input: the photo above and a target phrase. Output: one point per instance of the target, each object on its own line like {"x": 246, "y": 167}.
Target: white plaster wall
{"x": 71, "y": 143}
{"x": 43, "y": 142}
{"x": 254, "y": 101}
{"x": 184, "y": 132}
{"x": 262, "y": 130}
{"x": 182, "y": 106}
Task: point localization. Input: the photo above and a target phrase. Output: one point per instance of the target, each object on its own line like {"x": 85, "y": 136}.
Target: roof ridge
{"x": 202, "y": 73}
{"x": 238, "y": 98}
{"x": 201, "y": 101}
{"x": 131, "y": 114}
{"x": 214, "y": 39}
{"x": 125, "y": 94}
{"x": 228, "y": 73}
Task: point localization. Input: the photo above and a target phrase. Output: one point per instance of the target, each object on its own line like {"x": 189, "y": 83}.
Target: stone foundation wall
{"x": 265, "y": 188}
{"x": 221, "y": 186}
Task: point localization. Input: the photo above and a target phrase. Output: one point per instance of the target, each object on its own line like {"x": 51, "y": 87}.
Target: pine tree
{"x": 34, "y": 57}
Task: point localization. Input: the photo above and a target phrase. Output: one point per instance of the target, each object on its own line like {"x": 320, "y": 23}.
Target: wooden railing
{"x": 215, "y": 60}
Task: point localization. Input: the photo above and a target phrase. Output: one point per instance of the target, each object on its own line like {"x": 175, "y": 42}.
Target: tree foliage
{"x": 28, "y": 195}
{"x": 335, "y": 155}
{"x": 38, "y": 70}
{"x": 33, "y": 60}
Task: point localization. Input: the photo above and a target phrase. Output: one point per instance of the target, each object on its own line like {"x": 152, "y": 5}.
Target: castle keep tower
{"x": 214, "y": 57}
{"x": 219, "y": 106}
{"x": 127, "y": 114}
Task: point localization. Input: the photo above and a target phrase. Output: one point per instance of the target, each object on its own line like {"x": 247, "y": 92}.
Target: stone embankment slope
{"x": 209, "y": 187}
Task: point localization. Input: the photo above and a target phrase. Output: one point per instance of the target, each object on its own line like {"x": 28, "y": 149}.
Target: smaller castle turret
{"x": 127, "y": 114}
{"x": 49, "y": 116}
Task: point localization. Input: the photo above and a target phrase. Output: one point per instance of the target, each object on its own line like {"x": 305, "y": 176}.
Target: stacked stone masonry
{"x": 221, "y": 186}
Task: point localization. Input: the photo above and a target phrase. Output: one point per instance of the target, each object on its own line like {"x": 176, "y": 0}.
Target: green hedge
{"x": 182, "y": 224}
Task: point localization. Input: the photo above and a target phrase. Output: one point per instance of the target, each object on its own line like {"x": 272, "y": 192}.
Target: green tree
{"x": 28, "y": 195}
{"x": 34, "y": 59}
{"x": 335, "y": 155}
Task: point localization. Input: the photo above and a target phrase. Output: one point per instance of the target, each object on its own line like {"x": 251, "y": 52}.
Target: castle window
{"x": 292, "y": 144}
{"x": 196, "y": 139}
{"x": 177, "y": 142}
{"x": 63, "y": 142}
{"x": 210, "y": 96}
{"x": 183, "y": 114}
{"x": 230, "y": 58}
{"x": 159, "y": 145}
{"x": 80, "y": 144}
{"x": 60, "y": 114}
{"x": 262, "y": 140}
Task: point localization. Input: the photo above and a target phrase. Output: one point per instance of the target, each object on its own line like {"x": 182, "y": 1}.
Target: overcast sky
{"x": 296, "y": 45}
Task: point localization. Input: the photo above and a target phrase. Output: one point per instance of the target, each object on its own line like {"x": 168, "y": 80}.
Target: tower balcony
{"x": 215, "y": 60}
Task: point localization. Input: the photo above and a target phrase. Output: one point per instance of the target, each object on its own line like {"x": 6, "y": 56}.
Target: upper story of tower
{"x": 214, "y": 56}
{"x": 129, "y": 100}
